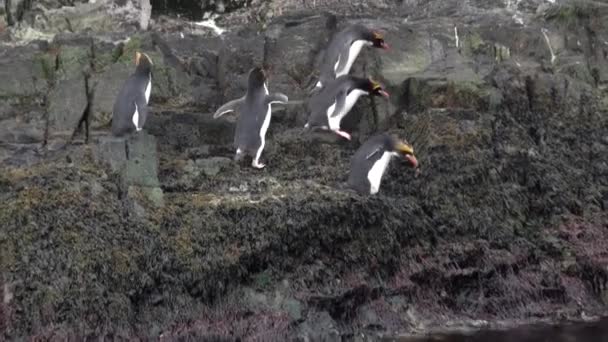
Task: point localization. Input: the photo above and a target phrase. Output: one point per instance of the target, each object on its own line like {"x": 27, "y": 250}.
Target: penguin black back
{"x": 252, "y": 113}
{"x": 254, "y": 116}
{"x": 344, "y": 48}
{"x": 130, "y": 109}
{"x": 371, "y": 160}
{"x": 333, "y": 102}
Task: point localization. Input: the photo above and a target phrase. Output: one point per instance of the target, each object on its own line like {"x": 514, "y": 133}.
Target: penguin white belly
{"x": 135, "y": 118}
{"x": 263, "y": 130}
{"x": 349, "y": 102}
{"x": 377, "y": 171}
{"x": 337, "y": 63}
{"x": 265, "y": 125}
{"x": 148, "y": 90}
{"x": 353, "y": 52}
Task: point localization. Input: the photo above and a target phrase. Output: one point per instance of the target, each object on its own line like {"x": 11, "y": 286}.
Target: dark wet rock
{"x": 292, "y": 44}
{"x": 66, "y": 106}
{"x": 211, "y": 166}
{"x": 111, "y": 151}
{"x": 237, "y": 56}
{"x": 26, "y": 70}
{"x": 135, "y": 160}
{"x": 142, "y": 161}
{"x": 96, "y": 16}
{"x": 318, "y": 326}
{"x": 105, "y": 88}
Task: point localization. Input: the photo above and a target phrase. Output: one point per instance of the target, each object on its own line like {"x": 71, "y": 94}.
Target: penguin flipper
{"x": 277, "y": 98}
{"x": 343, "y": 57}
{"x": 372, "y": 153}
{"x": 340, "y": 103}
{"x": 231, "y": 106}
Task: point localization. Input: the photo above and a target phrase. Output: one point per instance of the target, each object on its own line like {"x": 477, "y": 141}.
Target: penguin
{"x": 254, "y": 116}
{"x": 331, "y": 104}
{"x": 131, "y": 106}
{"x": 344, "y": 48}
{"x": 371, "y": 160}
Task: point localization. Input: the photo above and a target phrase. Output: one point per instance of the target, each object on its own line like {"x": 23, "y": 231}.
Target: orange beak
{"x": 137, "y": 57}
{"x": 408, "y": 152}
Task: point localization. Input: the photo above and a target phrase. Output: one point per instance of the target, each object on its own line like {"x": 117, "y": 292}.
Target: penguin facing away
{"x": 254, "y": 116}
{"x": 332, "y": 103}
{"x": 343, "y": 50}
{"x": 371, "y": 160}
{"x": 131, "y": 106}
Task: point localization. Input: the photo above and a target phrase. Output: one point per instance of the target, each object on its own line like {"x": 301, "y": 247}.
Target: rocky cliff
{"x": 163, "y": 235}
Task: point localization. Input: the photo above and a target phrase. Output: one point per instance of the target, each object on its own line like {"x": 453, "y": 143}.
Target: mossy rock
{"x": 129, "y": 49}
{"x": 472, "y": 44}
{"x": 467, "y": 95}
{"x": 501, "y": 52}
{"x": 46, "y": 65}
{"x": 106, "y": 55}
{"x": 141, "y": 168}
{"x": 167, "y": 82}
{"x": 73, "y": 61}
{"x": 569, "y": 15}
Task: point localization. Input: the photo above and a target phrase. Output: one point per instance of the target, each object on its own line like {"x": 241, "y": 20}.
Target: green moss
{"x": 47, "y": 63}
{"x": 501, "y": 53}
{"x": 462, "y": 94}
{"x": 262, "y": 280}
{"x": 103, "y": 60}
{"x": 73, "y": 60}
{"x": 570, "y": 14}
{"x": 128, "y": 51}
{"x": 473, "y": 44}
{"x": 182, "y": 243}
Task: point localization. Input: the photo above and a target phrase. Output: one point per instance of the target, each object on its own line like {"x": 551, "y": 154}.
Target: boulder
{"x": 237, "y": 56}
{"x": 67, "y": 103}
{"x": 26, "y": 76}
{"x": 105, "y": 87}
{"x": 134, "y": 157}
{"x": 26, "y": 69}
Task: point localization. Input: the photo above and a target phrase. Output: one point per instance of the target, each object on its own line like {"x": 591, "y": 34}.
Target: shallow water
{"x": 596, "y": 331}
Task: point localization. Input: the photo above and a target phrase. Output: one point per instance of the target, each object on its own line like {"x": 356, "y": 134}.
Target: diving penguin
{"x": 254, "y": 116}
{"x": 371, "y": 160}
{"x": 331, "y": 104}
{"x": 131, "y": 106}
{"x": 344, "y": 48}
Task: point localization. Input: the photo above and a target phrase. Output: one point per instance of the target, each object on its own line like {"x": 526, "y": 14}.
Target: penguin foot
{"x": 343, "y": 134}
{"x": 239, "y": 155}
{"x": 257, "y": 165}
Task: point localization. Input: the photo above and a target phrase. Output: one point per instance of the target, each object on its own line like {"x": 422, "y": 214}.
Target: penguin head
{"x": 257, "y": 78}
{"x": 374, "y": 88}
{"x": 377, "y": 40}
{"x": 402, "y": 148}
{"x": 143, "y": 63}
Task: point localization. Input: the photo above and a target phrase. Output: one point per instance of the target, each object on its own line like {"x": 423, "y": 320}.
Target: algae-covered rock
{"x": 66, "y": 105}
{"x": 27, "y": 77}
{"x": 142, "y": 162}
{"x": 134, "y": 158}
{"x": 111, "y": 151}
{"x": 105, "y": 87}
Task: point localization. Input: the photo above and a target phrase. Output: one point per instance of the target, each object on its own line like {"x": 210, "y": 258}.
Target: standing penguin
{"x": 331, "y": 104}
{"x": 254, "y": 116}
{"x": 131, "y": 106}
{"x": 344, "y": 48}
{"x": 371, "y": 160}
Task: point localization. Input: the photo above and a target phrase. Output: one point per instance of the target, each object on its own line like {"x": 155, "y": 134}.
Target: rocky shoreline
{"x": 163, "y": 235}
